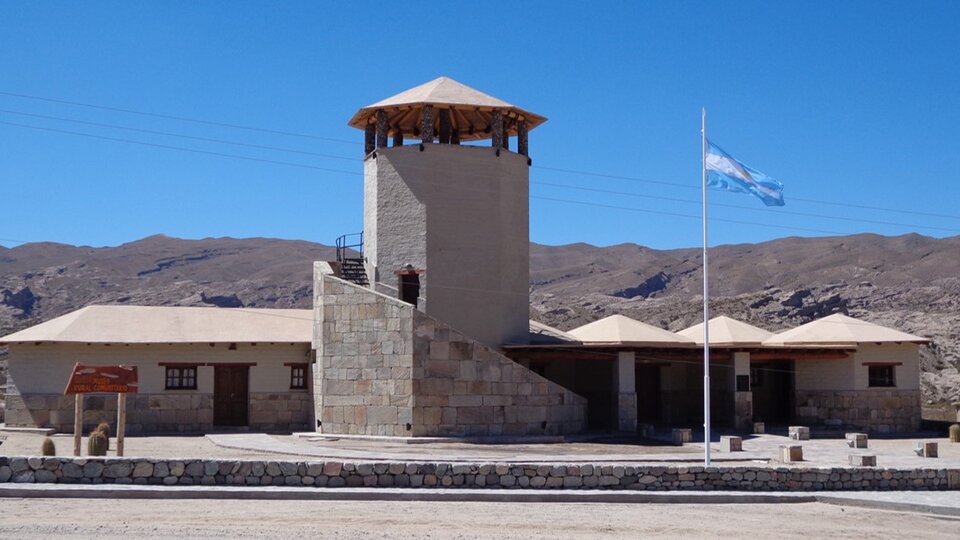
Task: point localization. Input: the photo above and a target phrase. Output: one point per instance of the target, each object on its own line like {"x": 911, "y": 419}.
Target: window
{"x": 409, "y": 288}
{"x": 298, "y": 377}
{"x": 181, "y": 378}
{"x": 881, "y": 376}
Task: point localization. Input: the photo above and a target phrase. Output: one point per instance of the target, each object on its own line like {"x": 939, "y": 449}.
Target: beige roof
{"x": 470, "y": 110}
{"x": 541, "y": 334}
{"x": 841, "y": 329}
{"x": 727, "y": 331}
{"x": 142, "y": 324}
{"x": 621, "y": 330}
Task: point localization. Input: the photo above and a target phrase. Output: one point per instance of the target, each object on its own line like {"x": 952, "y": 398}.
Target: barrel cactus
{"x": 97, "y": 444}
{"x": 104, "y": 428}
{"x": 48, "y": 448}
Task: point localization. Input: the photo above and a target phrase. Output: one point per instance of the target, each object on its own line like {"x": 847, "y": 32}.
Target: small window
{"x": 181, "y": 378}
{"x": 881, "y": 376}
{"x": 298, "y": 377}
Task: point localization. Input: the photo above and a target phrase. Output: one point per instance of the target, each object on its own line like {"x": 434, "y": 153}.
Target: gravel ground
{"x": 108, "y": 519}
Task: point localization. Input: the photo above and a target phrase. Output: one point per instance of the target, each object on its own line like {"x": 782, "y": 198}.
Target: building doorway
{"x": 774, "y": 393}
{"x": 648, "y": 393}
{"x": 230, "y": 395}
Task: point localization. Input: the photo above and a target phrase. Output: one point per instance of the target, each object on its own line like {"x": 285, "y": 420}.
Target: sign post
{"x": 87, "y": 379}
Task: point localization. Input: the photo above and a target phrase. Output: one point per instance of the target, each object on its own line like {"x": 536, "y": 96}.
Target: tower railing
{"x": 350, "y": 241}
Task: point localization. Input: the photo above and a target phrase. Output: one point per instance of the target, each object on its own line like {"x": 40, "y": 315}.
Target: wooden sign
{"x": 113, "y": 379}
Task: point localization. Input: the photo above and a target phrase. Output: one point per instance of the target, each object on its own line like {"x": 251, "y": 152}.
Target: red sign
{"x": 114, "y": 379}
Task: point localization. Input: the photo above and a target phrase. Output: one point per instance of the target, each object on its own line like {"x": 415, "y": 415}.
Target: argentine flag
{"x": 728, "y": 174}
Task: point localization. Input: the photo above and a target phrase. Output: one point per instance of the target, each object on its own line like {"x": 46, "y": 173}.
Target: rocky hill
{"x": 909, "y": 282}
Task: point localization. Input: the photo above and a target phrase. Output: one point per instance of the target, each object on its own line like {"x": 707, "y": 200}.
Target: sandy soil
{"x": 102, "y": 519}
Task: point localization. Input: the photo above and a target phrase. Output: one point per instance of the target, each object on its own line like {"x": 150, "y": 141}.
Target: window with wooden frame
{"x": 298, "y": 376}
{"x": 181, "y": 378}
{"x": 881, "y": 376}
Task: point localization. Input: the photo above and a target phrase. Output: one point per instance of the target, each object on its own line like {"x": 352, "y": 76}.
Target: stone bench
{"x": 681, "y": 435}
{"x": 646, "y": 430}
{"x": 857, "y": 440}
{"x": 730, "y": 443}
{"x": 759, "y": 428}
{"x": 791, "y": 453}
{"x": 799, "y": 433}
{"x": 925, "y": 449}
{"x": 863, "y": 460}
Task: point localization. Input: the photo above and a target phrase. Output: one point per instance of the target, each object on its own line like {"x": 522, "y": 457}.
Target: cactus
{"x": 104, "y": 428}
{"x": 955, "y": 433}
{"x": 97, "y": 444}
{"x": 48, "y": 448}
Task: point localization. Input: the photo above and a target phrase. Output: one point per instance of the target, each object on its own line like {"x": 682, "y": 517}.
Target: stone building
{"x": 200, "y": 369}
{"x": 421, "y": 326}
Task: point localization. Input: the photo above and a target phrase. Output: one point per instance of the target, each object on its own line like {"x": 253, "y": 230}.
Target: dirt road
{"x": 30, "y": 519}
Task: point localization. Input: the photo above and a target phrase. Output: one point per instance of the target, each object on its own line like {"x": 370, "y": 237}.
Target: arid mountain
{"x": 909, "y": 282}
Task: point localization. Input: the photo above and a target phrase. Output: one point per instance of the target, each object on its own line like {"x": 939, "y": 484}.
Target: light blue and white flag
{"x": 728, "y": 174}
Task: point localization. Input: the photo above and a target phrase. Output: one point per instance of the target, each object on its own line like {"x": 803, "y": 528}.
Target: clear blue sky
{"x": 850, "y": 103}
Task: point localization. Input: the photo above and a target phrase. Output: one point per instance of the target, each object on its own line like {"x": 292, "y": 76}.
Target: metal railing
{"x": 352, "y": 241}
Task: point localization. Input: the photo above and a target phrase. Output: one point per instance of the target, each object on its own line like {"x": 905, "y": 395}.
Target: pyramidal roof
{"x": 622, "y": 330}
{"x": 727, "y": 331}
{"x": 470, "y": 110}
{"x": 149, "y": 324}
{"x": 541, "y": 334}
{"x": 841, "y": 329}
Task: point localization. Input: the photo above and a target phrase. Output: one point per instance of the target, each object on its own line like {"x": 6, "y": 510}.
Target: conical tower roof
{"x": 725, "y": 331}
{"x": 470, "y": 110}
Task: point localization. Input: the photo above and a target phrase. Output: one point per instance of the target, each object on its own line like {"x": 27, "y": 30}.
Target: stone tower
{"x": 446, "y": 224}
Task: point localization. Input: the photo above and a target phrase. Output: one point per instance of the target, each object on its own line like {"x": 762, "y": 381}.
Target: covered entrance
{"x": 230, "y": 395}
{"x": 773, "y": 386}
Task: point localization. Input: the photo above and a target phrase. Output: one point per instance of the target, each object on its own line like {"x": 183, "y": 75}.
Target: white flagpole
{"x": 706, "y": 300}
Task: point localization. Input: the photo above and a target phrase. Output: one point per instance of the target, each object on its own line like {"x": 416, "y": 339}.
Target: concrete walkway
{"x": 932, "y": 502}
{"x": 758, "y": 450}
{"x": 460, "y": 453}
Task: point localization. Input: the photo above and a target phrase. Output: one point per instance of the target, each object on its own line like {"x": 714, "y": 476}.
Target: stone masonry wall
{"x": 385, "y": 368}
{"x": 883, "y": 411}
{"x": 364, "y": 365}
{"x": 462, "y": 387}
{"x": 157, "y": 413}
{"x": 335, "y": 474}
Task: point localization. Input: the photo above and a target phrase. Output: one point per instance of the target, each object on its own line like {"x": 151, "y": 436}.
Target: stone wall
{"x": 335, "y": 474}
{"x": 878, "y": 410}
{"x": 157, "y": 413}
{"x": 385, "y": 368}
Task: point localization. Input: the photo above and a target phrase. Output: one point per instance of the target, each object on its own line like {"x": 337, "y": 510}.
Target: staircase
{"x": 351, "y": 259}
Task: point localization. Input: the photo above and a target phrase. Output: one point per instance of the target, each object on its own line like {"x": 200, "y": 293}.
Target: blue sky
{"x": 852, "y": 105}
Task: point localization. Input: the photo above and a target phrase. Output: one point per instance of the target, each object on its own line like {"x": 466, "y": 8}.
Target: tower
{"x": 446, "y": 223}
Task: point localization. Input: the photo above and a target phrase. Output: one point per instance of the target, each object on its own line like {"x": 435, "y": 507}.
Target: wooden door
{"x": 230, "y": 388}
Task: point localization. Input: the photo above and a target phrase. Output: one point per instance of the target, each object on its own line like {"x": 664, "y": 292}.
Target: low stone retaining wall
{"x": 334, "y": 474}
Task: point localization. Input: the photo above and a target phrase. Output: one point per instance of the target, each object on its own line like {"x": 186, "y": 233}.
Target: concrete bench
{"x": 759, "y": 428}
{"x": 681, "y": 435}
{"x": 863, "y": 460}
{"x": 857, "y": 440}
{"x": 645, "y": 430}
{"x": 730, "y": 443}
{"x": 791, "y": 453}
{"x": 799, "y": 433}
{"x": 925, "y": 449}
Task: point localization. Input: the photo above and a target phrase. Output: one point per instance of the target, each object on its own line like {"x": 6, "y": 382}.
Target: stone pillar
{"x": 369, "y": 139}
{"x": 742, "y": 393}
{"x": 398, "y": 137}
{"x": 426, "y": 125}
{"x": 383, "y": 128}
{"x": 496, "y": 128}
{"x": 626, "y": 391}
{"x": 522, "y": 145}
{"x": 444, "y": 117}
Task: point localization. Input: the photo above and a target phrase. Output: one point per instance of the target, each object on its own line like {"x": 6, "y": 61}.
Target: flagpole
{"x": 706, "y": 298}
